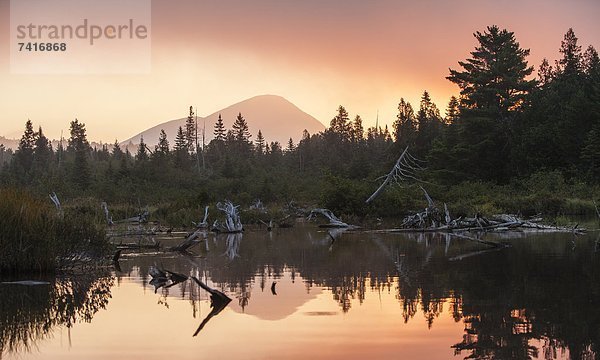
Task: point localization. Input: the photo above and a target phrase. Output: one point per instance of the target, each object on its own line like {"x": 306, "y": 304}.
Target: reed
{"x": 35, "y": 236}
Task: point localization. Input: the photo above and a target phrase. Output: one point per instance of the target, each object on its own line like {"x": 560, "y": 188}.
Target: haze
{"x": 364, "y": 55}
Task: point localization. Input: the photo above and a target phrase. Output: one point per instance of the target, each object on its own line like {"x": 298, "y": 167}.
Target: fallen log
{"x": 190, "y": 241}
{"x": 334, "y": 221}
{"x": 485, "y": 242}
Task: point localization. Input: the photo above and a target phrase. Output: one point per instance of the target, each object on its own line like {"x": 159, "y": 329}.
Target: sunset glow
{"x": 209, "y": 54}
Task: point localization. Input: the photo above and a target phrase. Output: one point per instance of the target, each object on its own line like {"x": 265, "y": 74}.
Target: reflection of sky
{"x": 286, "y": 326}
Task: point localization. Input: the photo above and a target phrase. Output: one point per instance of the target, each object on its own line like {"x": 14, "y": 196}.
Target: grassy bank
{"x": 34, "y": 235}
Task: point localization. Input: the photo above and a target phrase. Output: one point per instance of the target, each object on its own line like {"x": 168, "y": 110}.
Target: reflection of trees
{"x": 29, "y": 313}
{"x": 505, "y": 298}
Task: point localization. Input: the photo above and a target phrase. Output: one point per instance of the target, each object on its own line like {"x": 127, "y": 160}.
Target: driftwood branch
{"x": 204, "y": 223}
{"x": 55, "y": 201}
{"x": 233, "y": 223}
{"x": 334, "y": 221}
{"x": 109, "y": 219}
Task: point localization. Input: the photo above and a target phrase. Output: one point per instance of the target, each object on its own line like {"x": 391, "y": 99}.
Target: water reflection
{"x": 29, "y": 313}
{"x": 536, "y": 299}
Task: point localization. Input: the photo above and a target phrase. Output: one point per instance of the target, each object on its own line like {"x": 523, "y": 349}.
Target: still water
{"x": 296, "y": 294}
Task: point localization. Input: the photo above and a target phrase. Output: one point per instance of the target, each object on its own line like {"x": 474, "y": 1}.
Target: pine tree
{"x": 340, "y": 124}
{"x": 191, "y": 135}
{"x": 219, "y": 131}
{"x": 24, "y": 153}
{"x": 494, "y": 91}
{"x": 429, "y": 122}
{"x": 260, "y": 143}
{"x": 163, "y": 144}
{"x": 117, "y": 152}
{"x": 78, "y": 139}
{"x": 180, "y": 150}
{"x": 79, "y": 145}
{"x": 493, "y": 79}
{"x": 358, "y": 132}
{"x": 570, "y": 64}
{"x": 405, "y": 126}
{"x": 241, "y": 136}
{"x": 545, "y": 73}
{"x": 452, "y": 111}
{"x": 290, "y": 146}
{"x": 240, "y": 129}
{"x": 142, "y": 153}
{"x": 161, "y": 153}
{"x": 42, "y": 153}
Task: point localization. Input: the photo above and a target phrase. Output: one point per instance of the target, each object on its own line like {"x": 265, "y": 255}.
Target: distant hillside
{"x": 277, "y": 118}
{"x": 14, "y": 144}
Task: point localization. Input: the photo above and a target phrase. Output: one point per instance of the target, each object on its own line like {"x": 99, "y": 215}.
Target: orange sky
{"x": 364, "y": 55}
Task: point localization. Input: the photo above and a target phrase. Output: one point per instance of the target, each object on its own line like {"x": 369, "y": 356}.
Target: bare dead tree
{"x": 404, "y": 169}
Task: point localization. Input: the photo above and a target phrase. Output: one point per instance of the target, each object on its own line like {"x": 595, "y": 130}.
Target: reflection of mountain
{"x": 277, "y": 118}
{"x": 266, "y": 306}
{"x": 541, "y": 288}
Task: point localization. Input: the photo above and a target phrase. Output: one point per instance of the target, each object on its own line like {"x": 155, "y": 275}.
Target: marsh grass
{"x": 34, "y": 236}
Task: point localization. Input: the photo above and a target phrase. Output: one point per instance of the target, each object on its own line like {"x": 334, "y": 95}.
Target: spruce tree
{"x": 180, "y": 150}
{"x": 24, "y": 153}
{"x": 240, "y": 129}
{"x": 42, "y": 154}
{"x": 405, "y": 126}
{"x": 452, "y": 111}
{"x": 260, "y": 143}
{"x": 191, "y": 135}
{"x": 142, "y": 153}
{"x": 219, "y": 131}
{"x": 358, "y": 132}
{"x": 80, "y": 147}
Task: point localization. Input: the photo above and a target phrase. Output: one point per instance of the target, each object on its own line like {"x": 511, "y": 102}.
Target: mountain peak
{"x": 277, "y": 118}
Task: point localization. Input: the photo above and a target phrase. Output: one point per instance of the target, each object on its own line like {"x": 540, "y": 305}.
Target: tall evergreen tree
{"x": 42, "y": 154}
{"x": 405, "y": 126}
{"x": 494, "y": 78}
{"x": 24, "y": 153}
{"x": 429, "y": 124}
{"x": 180, "y": 150}
{"x": 219, "y": 131}
{"x": 259, "y": 143}
{"x": 340, "y": 124}
{"x": 570, "y": 64}
{"x": 240, "y": 130}
{"x": 452, "y": 111}
{"x": 80, "y": 147}
{"x": 241, "y": 136}
{"x": 290, "y": 146}
{"x": 163, "y": 144}
{"x": 117, "y": 152}
{"x": 494, "y": 88}
{"x": 191, "y": 135}
{"x": 142, "y": 152}
{"x": 358, "y": 132}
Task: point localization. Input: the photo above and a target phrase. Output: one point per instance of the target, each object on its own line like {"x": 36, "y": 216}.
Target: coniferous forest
{"x": 519, "y": 138}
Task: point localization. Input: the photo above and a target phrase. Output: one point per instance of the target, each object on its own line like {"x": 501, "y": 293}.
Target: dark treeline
{"x": 510, "y": 133}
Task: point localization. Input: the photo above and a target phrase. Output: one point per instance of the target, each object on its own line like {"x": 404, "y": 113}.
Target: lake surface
{"x": 296, "y": 294}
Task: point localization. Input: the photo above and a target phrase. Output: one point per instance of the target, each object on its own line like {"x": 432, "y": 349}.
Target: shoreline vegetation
{"x": 511, "y": 143}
